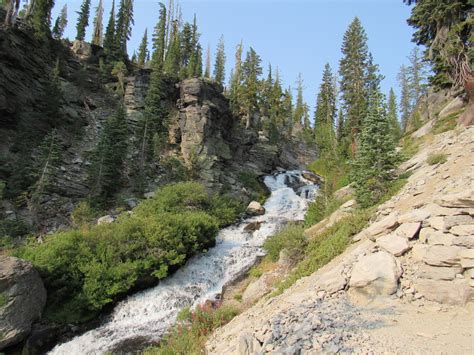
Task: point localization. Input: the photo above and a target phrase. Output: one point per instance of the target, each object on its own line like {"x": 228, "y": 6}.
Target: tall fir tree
{"x": 353, "y": 75}
{"x": 41, "y": 17}
{"x": 143, "y": 50}
{"x": 326, "y": 100}
{"x": 416, "y": 76}
{"x": 60, "y": 24}
{"x": 98, "y": 31}
{"x": 207, "y": 71}
{"x": 392, "y": 113}
{"x": 187, "y": 47}
{"x": 83, "y": 20}
{"x": 109, "y": 39}
{"x": 194, "y": 68}
{"x": 251, "y": 71}
{"x": 340, "y": 126}
{"x": 172, "y": 63}
{"x": 159, "y": 39}
{"x": 376, "y": 157}
{"x": 300, "y": 113}
{"x": 123, "y": 29}
{"x": 219, "y": 65}
{"x": 235, "y": 85}
{"x": 405, "y": 102}
{"x": 108, "y": 158}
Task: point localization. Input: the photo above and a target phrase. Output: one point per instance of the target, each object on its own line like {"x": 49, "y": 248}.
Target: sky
{"x": 297, "y": 36}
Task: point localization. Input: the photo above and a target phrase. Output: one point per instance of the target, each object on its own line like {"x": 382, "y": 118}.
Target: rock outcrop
{"x": 22, "y": 298}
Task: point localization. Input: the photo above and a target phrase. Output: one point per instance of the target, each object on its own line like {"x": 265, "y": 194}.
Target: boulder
{"x": 418, "y": 215}
{"x": 374, "y": 275}
{"x": 333, "y": 280}
{"x": 408, "y": 230}
{"x": 82, "y": 49}
{"x": 315, "y": 179}
{"x": 253, "y": 226}
{"x": 394, "y": 244}
{"x": 438, "y": 273}
{"x": 440, "y": 255}
{"x": 440, "y": 238}
{"x": 257, "y": 289}
{"x": 462, "y": 230}
{"x": 459, "y": 200}
{"x": 466, "y": 241}
{"x": 255, "y": 209}
{"x": 455, "y": 292}
{"x": 345, "y": 192}
{"x": 382, "y": 227}
{"x": 106, "y": 219}
{"x": 22, "y": 299}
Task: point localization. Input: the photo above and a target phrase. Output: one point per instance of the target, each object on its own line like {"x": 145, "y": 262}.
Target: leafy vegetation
{"x": 437, "y": 158}
{"x": 445, "y": 124}
{"x": 88, "y": 268}
{"x": 290, "y": 238}
{"x": 3, "y": 299}
{"x": 251, "y": 182}
{"x": 189, "y": 335}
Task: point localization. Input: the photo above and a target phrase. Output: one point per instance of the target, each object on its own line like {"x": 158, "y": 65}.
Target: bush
{"x": 82, "y": 214}
{"x": 251, "y": 182}
{"x": 438, "y": 158}
{"x": 290, "y": 238}
{"x": 13, "y": 228}
{"x": 86, "y": 269}
{"x": 189, "y": 335}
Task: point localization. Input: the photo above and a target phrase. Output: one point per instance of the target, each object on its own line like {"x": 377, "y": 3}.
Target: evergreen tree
{"x": 374, "y": 78}
{"x": 109, "y": 39}
{"x": 46, "y": 164}
{"x": 172, "y": 64}
{"x": 405, "y": 102}
{"x": 109, "y": 156}
{"x": 219, "y": 65}
{"x": 195, "y": 61}
{"x": 60, "y": 24}
{"x": 187, "y": 47}
{"x": 207, "y": 71}
{"x": 159, "y": 39}
{"x": 41, "y": 17}
{"x": 326, "y": 100}
{"x": 143, "y": 50}
{"x": 353, "y": 75}
{"x": 50, "y": 102}
{"x": 286, "y": 120}
{"x": 340, "y": 126}
{"x": 375, "y": 158}
{"x": 83, "y": 20}
{"x": 301, "y": 109}
{"x": 251, "y": 70}
{"x": 416, "y": 76}
{"x": 123, "y": 28}
{"x": 98, "y": 32}
{"x": 235, "y": 85}
{"x": 393, "y": 115}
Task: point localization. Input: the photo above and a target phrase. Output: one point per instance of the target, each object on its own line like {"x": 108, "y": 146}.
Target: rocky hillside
{"x": 203, "y": 134}
{"x": 406, "y": 284}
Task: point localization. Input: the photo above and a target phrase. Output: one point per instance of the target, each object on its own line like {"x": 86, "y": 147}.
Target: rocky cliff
{"x": 203, "y": 134}
{"x": 406, "y": 284}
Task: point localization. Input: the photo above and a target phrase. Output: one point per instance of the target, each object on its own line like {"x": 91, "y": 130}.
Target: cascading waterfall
{"x": 143, "y": 318}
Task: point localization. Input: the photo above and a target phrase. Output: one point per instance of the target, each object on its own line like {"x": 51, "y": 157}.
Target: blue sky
{"x": 294, "y": 35}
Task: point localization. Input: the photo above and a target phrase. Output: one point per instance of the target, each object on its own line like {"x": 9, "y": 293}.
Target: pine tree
{"x": 123, "y": 29}
{"x": 286, "y": 120}
{"x": 393, "y": 115}
{"x": 326, "y": 100}
{"x": 340, "y": 126}
{"x": 375, "y": 158}
{"x": 159, "y": 39}
{"x": 46, "y": 164}
{"x": 416, "y": 76}
{"x": 41, "y": 17}
{"x": 194, "y": 68}
{"x": 60, "y": 24}
{"x": 109, "y": 39}
{"x": 109, "y": 156}
{"x": 207, "y": 71}
{"x": 98, "y": 32}
{"x": 83, "y": 20}
{"x": 235, "y": 85}
{"x": 187, "y": 47}
{"x": 172, "y": 64}
{"x": 143, "y": 50}
{"x": 374, "y": 78}
{"x": 50, "y": 102}
{"x": 251, "y": 70}
{"x": 301, "y": 109}
{"x": 405, "y": 102}
{"x": 353, "y": 75}
{"x": 219, "y": 65}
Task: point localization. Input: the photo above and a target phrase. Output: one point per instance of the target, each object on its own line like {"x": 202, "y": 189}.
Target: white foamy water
{"x": 145, "y": 316}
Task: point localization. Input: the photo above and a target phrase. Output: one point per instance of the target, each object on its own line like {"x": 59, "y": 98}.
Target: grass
{"x": 290, "y": 238}
{"x": 447, "y": 123}
{"x": 3, "y": 300}
{"x": 410, "y": 146}
{"x": 192, "y": 330}
{"x": 437, "y": 158}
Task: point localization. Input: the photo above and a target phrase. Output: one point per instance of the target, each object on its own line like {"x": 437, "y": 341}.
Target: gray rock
{"x": 255, "y": 209}
{"x": 456, "y": 292}
{"x": 464, "y": 241}
{"x": 374, "y": 275}
{"x": 394, "y": 244}
{"x": 22, "y": 299}
{"x": 459, "y": 200}
{"x": 106, "y": 219}
{"x": 440, "y": 255}
{"x": 438, "y": 273}
{"x": 333, "y": 280}
{"x": 408, "y": 230}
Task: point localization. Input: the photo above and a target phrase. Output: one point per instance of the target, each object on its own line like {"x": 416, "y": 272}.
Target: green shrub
{"x": 447, "y": 123}
{"x": 325, "y": 247}
{"x": 238, "y": 297}
{"x": 437, "y": 158}
{"x": 88, "y": 268}
{"x": 410, "y": 146}
{"x": 189, "y": 335}
{"x": 251, "y": 182}
{"x": 13, "y": 228}
{"x": 290, "y": 238}
{"x": 83, "y": 213}
{"x": 3, "y": 299}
